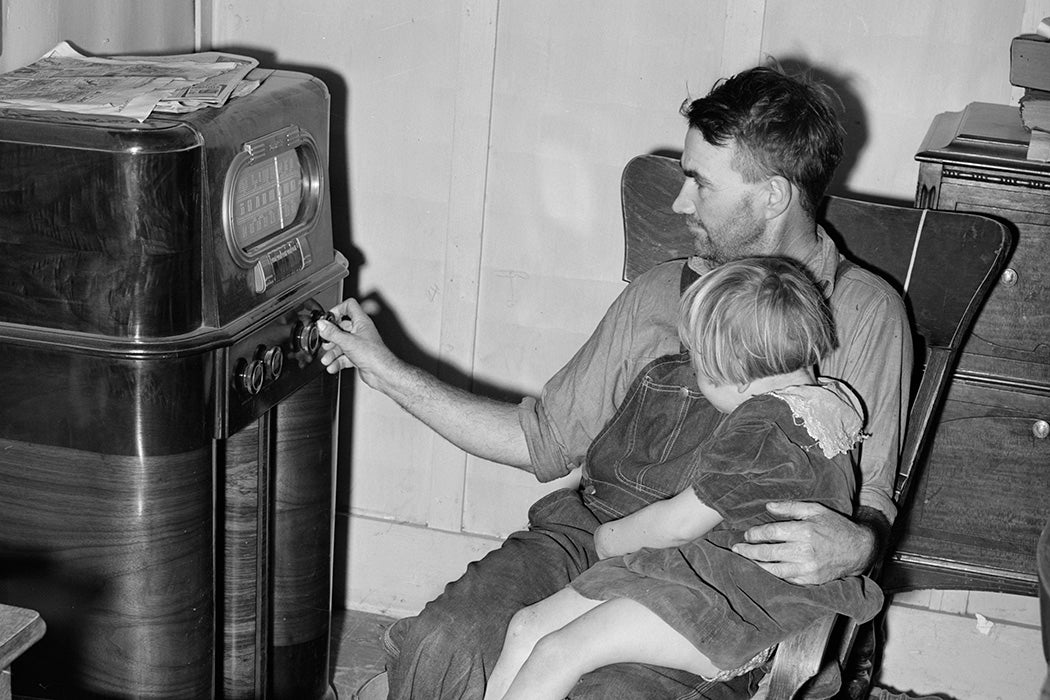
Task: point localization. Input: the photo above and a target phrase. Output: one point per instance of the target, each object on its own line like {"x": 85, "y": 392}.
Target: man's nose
{"x": 683, "y": 203}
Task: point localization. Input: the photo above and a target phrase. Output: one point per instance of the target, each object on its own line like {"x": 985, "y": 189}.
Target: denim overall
{"x": 641, "y": 456}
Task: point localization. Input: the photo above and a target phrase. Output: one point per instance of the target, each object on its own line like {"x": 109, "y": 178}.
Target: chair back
{"x": 944, "y": 264}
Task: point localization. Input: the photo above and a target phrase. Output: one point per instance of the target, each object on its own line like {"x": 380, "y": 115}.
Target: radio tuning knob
{"x": 306, "y": 337}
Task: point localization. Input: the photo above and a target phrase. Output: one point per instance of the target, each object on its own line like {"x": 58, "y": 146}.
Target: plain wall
{"x": 30, "y": 28}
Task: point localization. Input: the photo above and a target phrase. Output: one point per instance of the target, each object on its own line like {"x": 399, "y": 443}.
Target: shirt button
{"x": 683, "y": 392}
{"x": 590, "y": 490}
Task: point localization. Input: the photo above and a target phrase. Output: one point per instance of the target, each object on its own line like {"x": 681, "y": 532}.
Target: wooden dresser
{"x": 984, "y": 493}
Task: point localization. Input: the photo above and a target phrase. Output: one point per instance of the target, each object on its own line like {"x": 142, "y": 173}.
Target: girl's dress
{"x": 792, "y": 444}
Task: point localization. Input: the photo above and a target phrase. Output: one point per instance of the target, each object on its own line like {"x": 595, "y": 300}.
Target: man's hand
{"x": 813, "y": 544}
{"x": 355, "y": 342}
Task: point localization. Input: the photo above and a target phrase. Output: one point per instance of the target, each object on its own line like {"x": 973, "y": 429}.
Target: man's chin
{"x": 703, "y": 249}
{"x": 701, "y": 244}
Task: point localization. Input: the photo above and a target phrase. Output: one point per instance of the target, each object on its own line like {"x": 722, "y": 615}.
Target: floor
{"x": 356, "y": 653}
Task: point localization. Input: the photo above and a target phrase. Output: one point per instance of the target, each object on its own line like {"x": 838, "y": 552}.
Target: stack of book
{"x": 1030, "y": 69}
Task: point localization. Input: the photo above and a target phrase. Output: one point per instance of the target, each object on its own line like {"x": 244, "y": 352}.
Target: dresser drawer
{"x": 1011, "y": 336}
{"x": 983, "y": 494}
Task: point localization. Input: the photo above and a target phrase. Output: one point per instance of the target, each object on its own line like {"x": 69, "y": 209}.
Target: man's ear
{"x": 742, "y": 387}
{"x": 779, "y": 194}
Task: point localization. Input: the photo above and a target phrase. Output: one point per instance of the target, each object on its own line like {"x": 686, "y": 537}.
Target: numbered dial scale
{"x": 271, "y": 196}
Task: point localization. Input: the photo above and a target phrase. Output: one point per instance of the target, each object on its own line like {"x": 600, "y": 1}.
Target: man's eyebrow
{"x": 692, "y": 174}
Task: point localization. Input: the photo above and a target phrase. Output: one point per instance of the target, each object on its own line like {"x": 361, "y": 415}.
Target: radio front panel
{"x": 267, "y": 205}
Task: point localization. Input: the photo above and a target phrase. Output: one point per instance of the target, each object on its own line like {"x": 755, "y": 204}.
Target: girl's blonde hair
{"x": 753, "y": 318}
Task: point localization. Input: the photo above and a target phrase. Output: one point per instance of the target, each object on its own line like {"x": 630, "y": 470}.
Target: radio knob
{"x": 250, "y": 376}
{"x": 306, "y": 337}
{"x": 273, "y": 360}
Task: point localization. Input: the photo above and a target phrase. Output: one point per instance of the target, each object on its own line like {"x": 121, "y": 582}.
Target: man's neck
{"x": 797, "y": 234}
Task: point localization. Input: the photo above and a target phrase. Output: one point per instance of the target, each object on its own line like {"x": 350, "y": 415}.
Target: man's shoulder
{"x": 659, "y": 284}
{"x": 856, "y": 284}
{"x": 661, "y": 273}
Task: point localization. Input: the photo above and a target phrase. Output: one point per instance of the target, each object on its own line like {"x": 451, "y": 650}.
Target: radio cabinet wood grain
{"x": 984, "y": 493}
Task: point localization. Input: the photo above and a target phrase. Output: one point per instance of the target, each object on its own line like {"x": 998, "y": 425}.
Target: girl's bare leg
{"x": 615, "y": 631}
{"x": 527, "y": 627}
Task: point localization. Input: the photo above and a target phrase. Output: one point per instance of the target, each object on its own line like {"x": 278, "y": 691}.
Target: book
{"x": 1035, "y": 109}
{"x": 1030, "y": 62}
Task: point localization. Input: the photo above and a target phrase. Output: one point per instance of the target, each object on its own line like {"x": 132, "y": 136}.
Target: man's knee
{"x": 433, "y": 630}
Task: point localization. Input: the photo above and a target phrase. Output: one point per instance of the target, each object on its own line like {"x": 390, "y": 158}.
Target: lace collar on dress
{"x": 830, "y": 413}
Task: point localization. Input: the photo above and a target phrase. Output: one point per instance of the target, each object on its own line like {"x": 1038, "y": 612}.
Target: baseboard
{"x": 396, "y": 568}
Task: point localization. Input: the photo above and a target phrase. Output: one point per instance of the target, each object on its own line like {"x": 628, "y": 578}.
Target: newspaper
{"x": 126, "y": 86}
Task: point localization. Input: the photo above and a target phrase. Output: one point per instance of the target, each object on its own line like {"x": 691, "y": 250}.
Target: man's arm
{"x": 481, "y": 426}
{"x": 668, "y": 523}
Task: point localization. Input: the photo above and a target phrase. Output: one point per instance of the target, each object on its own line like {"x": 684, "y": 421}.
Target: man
{"x": 759, "y": 153}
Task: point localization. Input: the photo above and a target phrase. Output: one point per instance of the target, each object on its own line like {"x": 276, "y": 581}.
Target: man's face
{"x": 723, "y": 212}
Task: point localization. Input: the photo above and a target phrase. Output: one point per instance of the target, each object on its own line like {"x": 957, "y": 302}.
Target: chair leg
{"x": 798, "y": 659}
{"x": 864, "y": 660}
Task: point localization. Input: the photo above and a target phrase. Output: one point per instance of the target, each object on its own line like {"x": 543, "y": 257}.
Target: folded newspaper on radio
{"x": 65, "y": 79}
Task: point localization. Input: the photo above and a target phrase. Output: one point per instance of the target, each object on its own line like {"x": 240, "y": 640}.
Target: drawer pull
{"x": 1041, "y": 429}
{"x": 1009, "y": 277}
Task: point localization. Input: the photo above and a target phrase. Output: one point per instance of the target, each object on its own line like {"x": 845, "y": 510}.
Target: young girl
{"x": 669, "y": 591}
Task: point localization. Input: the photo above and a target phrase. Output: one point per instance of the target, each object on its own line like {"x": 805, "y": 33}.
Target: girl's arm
{"x": 668, "y": 523}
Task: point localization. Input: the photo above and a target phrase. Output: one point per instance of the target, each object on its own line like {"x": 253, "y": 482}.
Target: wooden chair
{"x": 20, "y": 628}
{"x": 944, "y": 263}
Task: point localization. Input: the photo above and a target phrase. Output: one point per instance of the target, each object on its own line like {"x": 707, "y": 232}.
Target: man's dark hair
{"x": 780, "y": 125}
